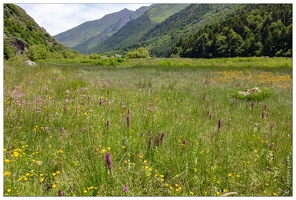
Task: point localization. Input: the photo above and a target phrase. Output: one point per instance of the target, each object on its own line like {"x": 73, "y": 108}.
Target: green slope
{"x": 253, "y": 30}
{"x": 131, "y": 33}
{"x": 87, "y": 30}
{"x": 20, "y": 28}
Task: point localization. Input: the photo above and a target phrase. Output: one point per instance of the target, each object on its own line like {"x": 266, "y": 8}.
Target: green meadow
{"x": 148, "y": 127}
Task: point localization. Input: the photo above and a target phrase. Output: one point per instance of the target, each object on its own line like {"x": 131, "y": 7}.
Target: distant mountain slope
{"x": 91, "y": 42}
{"x": 163, "y": 36}
{"x": 87, "y": 30}
{"x": 132, "y": 32}
{"x": 21, "y": 32}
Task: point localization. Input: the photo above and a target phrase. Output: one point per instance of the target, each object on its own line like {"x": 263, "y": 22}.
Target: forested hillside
{"x": 22, "y": 33}
{"x": 160, "y": 39}
{"x": 253, "y": 30}
{"x": 129, "y": 36}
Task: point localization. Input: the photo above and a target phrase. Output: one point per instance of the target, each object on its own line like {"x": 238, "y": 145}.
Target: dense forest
{"x": 253, "y": 30}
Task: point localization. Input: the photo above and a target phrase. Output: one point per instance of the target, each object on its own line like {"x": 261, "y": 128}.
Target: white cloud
{"x": 57, "y": 18}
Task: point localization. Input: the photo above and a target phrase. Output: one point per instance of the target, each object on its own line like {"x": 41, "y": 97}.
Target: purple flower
{"x": 100, "y": 102}
{"x": 128, "y": 121}
{"x": 107, "y": 123}
{"x": 60, "y": 193}
{"x": 125, "y": 189}
{"x": 210, "y": 116}
{"x": 262, "y": 115}
{"x": 108, "y": 161}
{"x": 219, "y": 124}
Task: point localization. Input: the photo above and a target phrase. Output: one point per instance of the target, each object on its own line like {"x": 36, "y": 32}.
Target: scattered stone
{"x": 249, "y": 92}
{"x": 30, "y": 63}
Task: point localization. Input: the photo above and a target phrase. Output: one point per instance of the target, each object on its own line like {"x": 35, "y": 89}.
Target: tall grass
{"x": 169, "y": 129}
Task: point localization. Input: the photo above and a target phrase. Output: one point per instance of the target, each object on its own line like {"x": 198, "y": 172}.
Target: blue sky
{"x": 57, "y": 18}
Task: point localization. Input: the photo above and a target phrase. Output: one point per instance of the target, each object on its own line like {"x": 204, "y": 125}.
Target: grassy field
{"x": 148, "y": 127}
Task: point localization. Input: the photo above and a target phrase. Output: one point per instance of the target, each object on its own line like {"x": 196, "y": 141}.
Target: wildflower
{"x": 25, "y": 178}
{"x": 41, "y": 175}
{"x": 60, "y": 151}
{"x": 54, "y": 186}
{"x": 183, "y": 143}
{"x": 108, "y": 161}
{"x": 84, "y": 191}
{"x": 192, "y": 193}
{"x": 210, "y": 115}
{"x": 229, "y": 175}
{"x": 60, "y": 193}
{"x": 8, "y": 190}
{"x": 125, "y": 189}
{"x": 15, "y": 154}
{"x": 41, "y": 180}
{"x": 7, "y": 173}
{"x": 58, "y": 172}
{"x": 255, "y": 151}
{"x": 6, "y": 160}
{"x": 128, "y": 121}
{"x": 219, "y": 124}
{"x": 53, "y": 174}
{"x": 218, "y": 193}
{"x": 237, "y": 175}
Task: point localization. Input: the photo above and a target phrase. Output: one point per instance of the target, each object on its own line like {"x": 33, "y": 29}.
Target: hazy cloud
{"x": 57, "y": 18}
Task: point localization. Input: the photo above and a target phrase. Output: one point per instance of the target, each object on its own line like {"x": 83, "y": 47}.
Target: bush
{"x": 139, "y": 53}
{"x": 37, "y": 52}
{"x": 249, "y": 95}
{"x": 9, "y": 52}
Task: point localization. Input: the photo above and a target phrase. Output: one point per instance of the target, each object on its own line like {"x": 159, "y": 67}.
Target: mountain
{"x": 160, "y": 39}
{"x": 131, "y": 33}
{"x": 253, "y": 30}
{"x": 91, "y": 33}
{"x": 21, "y": 32}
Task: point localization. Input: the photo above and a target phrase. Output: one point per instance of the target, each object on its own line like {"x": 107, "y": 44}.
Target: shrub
{"x": 139, "y": 53}
{"x": 248, "y": 95}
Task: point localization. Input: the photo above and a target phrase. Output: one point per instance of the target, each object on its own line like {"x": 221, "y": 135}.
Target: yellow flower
{"x": 176, "y": 185}
{"x": 41, "y": 174}
{"x": 123, "y": 147}
{"x": 19, "y": 179}
{"x": 41, "y": 180}
{"x": 8, "y": 190}
{"x": 161, "y": 176}
{"x": 192, "y": 193}
{"x": 54, "y": 186}
{"x": 237, "y": 175}
{"x": 274, "y": 194}
{"x": 84, "y": 191}
{"x": 109, "y": 148}
{"x": 60, "y": 151}
{"x": 54, "y": 174}
{"x": 255, "y": 151}
{"x": 7, "y": 160}
{"x": 58, "y": 172}
{"x": 25, "y": 178}
{"x": 229, "y": 174}
{"x": 161, "y": 179}
{"x": 218, "y": 193}
{"x": 144, "y": 161}
{"x": 7, "y": 173}
{"x": 15, "y": 154}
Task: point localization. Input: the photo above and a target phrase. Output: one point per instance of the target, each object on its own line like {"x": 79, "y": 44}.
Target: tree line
{"x": 254, "y": 30}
